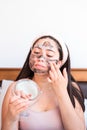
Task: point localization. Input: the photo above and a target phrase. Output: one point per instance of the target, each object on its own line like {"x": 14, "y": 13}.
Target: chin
{"x": 41, "y": 72}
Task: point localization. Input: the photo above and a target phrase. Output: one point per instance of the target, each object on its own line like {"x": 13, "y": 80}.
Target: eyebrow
{"x": 37, "y": 47}
{"x": 46, "y": 49}
{"x": 50, "y": 50}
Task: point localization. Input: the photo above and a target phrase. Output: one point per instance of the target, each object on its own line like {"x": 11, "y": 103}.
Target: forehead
{"x": 46, "y": 43}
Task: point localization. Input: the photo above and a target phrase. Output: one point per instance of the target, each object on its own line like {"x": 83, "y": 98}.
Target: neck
{"x": 40, "y": 77}
{"x": 41, "y": 80}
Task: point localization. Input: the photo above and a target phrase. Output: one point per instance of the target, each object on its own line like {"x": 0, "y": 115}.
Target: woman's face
{"x": 43, "y": 52}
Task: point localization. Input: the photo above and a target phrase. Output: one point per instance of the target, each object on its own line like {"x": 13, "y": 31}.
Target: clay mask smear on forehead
{"x": 44, "y": 45}
{"x": 38, "y": 56}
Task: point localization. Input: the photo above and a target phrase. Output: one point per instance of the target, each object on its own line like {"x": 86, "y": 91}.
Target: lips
{"x": 39, "y": 66}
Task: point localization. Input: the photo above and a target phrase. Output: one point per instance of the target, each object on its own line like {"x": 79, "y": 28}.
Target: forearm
{"x": 70, "y": 118}
{"x": 8, "y": 125}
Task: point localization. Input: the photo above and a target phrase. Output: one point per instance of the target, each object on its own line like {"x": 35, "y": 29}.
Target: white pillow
{"x": 85, "y": 113}
{"x": 4, "y": 87}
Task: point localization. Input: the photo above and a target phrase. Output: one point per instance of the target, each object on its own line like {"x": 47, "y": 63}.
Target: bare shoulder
{"x": 74, "y": 84}
{"x": 78, "y": 107}
{"x": 6, "y": 99}
{"x": 8, "y": 92}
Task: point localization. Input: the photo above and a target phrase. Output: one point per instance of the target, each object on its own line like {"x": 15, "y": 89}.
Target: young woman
{"x": 61, "y": 103}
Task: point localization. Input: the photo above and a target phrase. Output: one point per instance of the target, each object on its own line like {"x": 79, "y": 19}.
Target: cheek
{"x": 33, "y": 57}
{"x": 32, "y": 60}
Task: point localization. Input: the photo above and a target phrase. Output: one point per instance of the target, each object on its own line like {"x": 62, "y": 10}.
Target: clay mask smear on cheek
{"x": 40, "y": 71}
{"x": 51, "y": 61}
{"x": 32, "y": 64}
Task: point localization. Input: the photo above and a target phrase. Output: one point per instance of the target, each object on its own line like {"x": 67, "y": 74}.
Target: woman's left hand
{"x": 57, "y": 79}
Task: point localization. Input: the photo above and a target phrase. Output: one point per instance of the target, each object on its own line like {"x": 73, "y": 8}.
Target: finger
{"x": 49, "y": 79}
{"x": 22, "y": 106}
{"x": 56, "y": 66}
{"x": 23, "y": 95}
{"x": 17, "y": 93}
{"x": 19, "y": 106}
{"x": 20, "y": 103}
{"x": 29, "y": 96}
{"x": 13, "y": 99}
{"x": 52, "y": 70}
{"x": 58, "y": 72}
{"x": 55, "y": 72}
{"x": 51, "y": 76}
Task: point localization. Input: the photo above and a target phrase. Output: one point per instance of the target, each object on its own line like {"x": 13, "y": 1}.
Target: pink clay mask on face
{"x": 37, "y": 55}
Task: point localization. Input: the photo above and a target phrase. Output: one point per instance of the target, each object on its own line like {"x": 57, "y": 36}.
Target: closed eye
{"x": 36, "y": 51}
{"x": 49, "y": 55}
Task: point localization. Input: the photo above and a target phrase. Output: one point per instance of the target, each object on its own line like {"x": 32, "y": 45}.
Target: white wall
{"x": 22, "y": 20}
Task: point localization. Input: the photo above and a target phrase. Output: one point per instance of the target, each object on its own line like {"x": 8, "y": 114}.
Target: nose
{"x": 41, "y": 58}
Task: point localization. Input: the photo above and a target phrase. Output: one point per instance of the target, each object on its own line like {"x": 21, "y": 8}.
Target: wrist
{"x": 60, "y": 91}
{"x": 9, "y": 125}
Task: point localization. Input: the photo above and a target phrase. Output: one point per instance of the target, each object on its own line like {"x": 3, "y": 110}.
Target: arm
{"x": 7, "y": 123}
{"x": 11, "y": 108}
{"x": 72, "y": 118}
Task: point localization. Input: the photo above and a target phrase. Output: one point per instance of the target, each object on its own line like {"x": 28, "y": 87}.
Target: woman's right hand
{"x": 17, "y": 103}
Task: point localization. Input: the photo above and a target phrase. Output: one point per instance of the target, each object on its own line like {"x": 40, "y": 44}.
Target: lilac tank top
{"x": 47, "y": 120}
